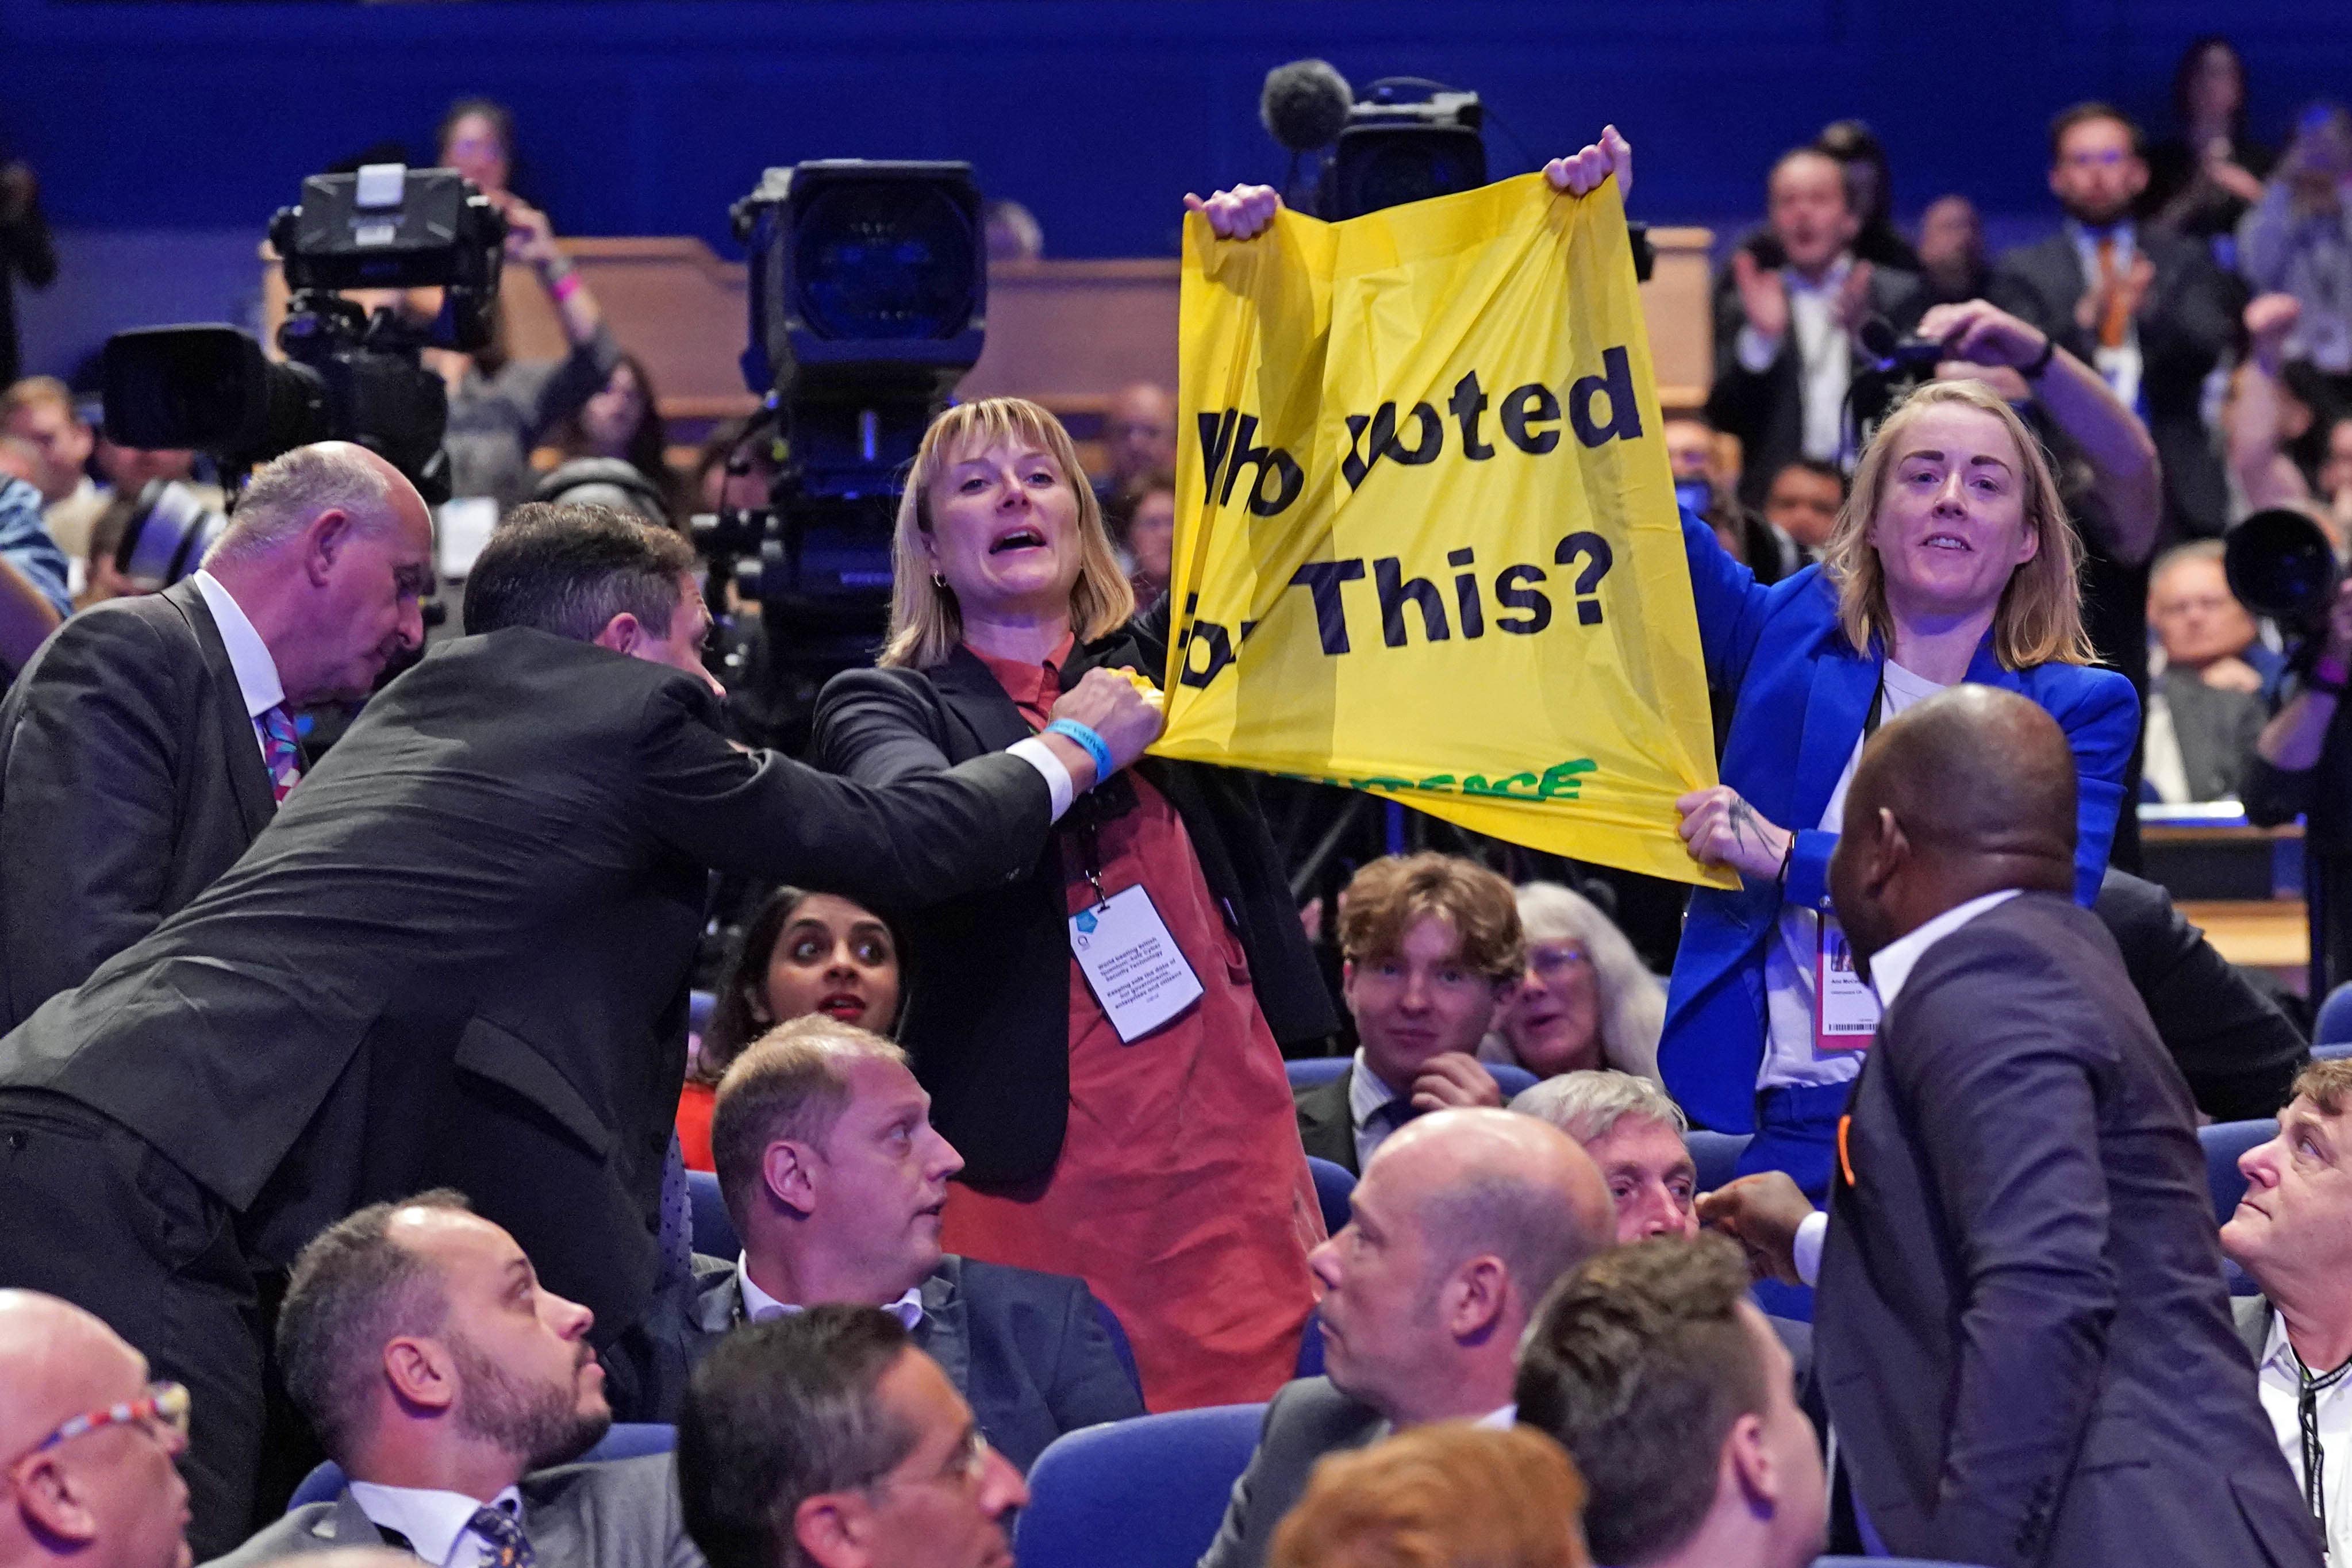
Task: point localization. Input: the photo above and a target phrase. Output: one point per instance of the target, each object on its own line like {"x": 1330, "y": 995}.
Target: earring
{"x": 937, "y": 581}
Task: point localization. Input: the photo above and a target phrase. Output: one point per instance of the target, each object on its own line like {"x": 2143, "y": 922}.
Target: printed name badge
{"x": 1845, "y": 1010}
{"x": 1139, "y": 976}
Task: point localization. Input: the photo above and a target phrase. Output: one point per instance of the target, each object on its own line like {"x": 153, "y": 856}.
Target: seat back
{"x": 1716, "y": 1156}
{"x": 1310, "y": 1072}
{"x": 1514, "y": 1081}
{"x": 627, "y": 1440}
{"x": 1146, "y": 1493}
{"x": 2224, "y": 1141}
{"x": 1310, "y": 1346}
{"x": 714, "y": 1232}
{"x": 1334, "y": 1187}
{"x": 2334, "y": 1025}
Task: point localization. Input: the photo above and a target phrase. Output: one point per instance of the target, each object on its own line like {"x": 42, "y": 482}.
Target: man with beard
{"x": 417, "y": 1341}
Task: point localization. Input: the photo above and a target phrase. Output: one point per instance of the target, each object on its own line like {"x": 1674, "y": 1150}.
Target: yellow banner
{"x": 1426, "y": 541}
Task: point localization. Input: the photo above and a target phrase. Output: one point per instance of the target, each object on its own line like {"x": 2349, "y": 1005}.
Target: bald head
{"x": 1487, "y": 1181}
{"x": 1971, "y": 791}
{"x": 56, "y": 1361}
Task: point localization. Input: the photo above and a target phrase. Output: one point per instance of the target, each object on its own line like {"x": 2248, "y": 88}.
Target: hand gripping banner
{"x": 1426, "y": 541}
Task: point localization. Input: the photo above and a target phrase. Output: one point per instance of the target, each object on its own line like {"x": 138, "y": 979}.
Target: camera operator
{"x": 2302, "y": 765}
{"x": 149, "y": 742}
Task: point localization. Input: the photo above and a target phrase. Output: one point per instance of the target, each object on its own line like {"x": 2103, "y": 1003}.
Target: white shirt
{"x": 1035, "y": 752}
{"x": 1501, "y": 1420}
{"x": 1824, "y": 357}
{"x": 1889, "y": 972}
{"x": 1791, "y": 1054}
{"x": 759, "y": 1306}
{"x": 436, "y": 1523}
{"x": 249, "y": 655}
{"x": 1367, "y": 1092}
{"x": 2279, "y": 1388}
{"x": 2120, "y": 366}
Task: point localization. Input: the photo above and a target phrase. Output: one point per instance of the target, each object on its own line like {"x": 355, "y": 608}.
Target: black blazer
{"x": 1766, "y": 411}
{"x": 1024, "y": 1347}
{"x": 1305, "y": 1421}
{"x": 2020, "y": 1328}
{"x": 987, "y": 1018}
{"x": 129, "y": 779}
{"x": 2189, "y": 321}
{"x": 459, "y": 955}
{"x": 1327, "y": 1127}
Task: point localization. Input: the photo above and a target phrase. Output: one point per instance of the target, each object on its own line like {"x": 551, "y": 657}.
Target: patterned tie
{"x": 280, "y": 752}
{"x": 677, "y": 1218}
{"x": 2115, "y": 320}
{"x": 503, "y": 1536}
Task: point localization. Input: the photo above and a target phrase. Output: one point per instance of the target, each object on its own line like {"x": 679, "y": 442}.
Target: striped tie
{"x": 281, "y": 754}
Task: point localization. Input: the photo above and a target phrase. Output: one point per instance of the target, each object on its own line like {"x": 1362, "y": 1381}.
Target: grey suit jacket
{"x": 1325, "y": 1126}
{"x": 2254, "y": 1319}
{"x": 1307, "y": 1420}
{"x": 615, "y": 1514}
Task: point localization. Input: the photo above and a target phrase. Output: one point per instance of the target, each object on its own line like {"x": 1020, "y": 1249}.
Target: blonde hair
{"x": 1446, "y": 1496}
{"x": 2040, "y": 618}
{"x": 925, "y": 623}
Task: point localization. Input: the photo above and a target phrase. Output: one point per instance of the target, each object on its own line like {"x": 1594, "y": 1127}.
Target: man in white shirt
{"x": 1462, "y": 1223}
{"x": 444, "y": 1381}
{"x": 2292, "y": 1232}
{"x": 40, "y": 412}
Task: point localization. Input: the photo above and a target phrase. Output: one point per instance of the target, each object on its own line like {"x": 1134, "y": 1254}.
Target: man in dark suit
{"x": 444, "y": 1381}
{"x": 1430, "y": 945}
{"x": 2148, "y": 308}
{"x": 135, "y": 748}
{"x": 1461, "y": 1222}
{"x": 835, "y": 1178}
{"x": 2021, "y": 1334}
{"x": 1786, "y": 311}
{"x": 2292, "y": 1232}
{"x": 459, "y": 956}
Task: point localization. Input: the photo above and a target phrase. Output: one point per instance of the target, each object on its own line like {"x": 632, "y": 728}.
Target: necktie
{"x": 281, "y": 753}
{"x": 677, "y": 1218}
{"x": 2115, "y": 320}
{"x": 1392, "y": 1115}
{"x": 2309, "y": 1386}
{"x": 504, "y": 1537}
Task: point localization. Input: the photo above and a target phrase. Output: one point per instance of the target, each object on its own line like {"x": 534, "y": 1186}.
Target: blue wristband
{"x": 1088, "y": 742}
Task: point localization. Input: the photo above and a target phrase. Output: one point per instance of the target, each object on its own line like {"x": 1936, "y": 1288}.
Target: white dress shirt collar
{"x": 759, "y": 1306}
{"x": 1367, "y": 1092}
{"x": 1895, "y": 961}
{"x": 249, "y": 655}
{"x": 436, "y": 1522}
{"x": 1501, "y": 1420}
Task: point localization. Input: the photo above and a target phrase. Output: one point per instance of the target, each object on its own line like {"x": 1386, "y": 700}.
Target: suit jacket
{"x": 1326, "y": 1124}
{"x": 1026, "y": 1349}
{"x": 987, "y": 1017}
{"x": 2020, "y": 1328}
{"x": 2188, "y": 319}
{"x": 613, "y": 1513}
{"x": 1766, "y": 411}
{"x": 459, "y": 953}
{"x": 129, "y": 779}
{"x": 1802, "y": 697}
{"x": 1307, "y": 1420}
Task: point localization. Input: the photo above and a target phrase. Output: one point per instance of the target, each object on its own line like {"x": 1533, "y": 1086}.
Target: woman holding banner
{"x": 1139, "y": 1136}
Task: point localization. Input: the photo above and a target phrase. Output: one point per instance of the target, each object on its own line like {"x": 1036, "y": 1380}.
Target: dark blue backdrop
{"x": 649, "y": 118}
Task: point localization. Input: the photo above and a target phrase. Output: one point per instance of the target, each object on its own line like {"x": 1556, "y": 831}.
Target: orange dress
{"x": 1182, "y": 1195}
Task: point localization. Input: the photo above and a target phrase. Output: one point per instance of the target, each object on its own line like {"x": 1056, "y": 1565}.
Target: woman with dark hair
{"x": 622, "y": 420}
{"x": 1869, "y": 192}
{"x": 2201, "y": 181}
{"x": 801, "y": 952}
{"x": 477, "y": 138}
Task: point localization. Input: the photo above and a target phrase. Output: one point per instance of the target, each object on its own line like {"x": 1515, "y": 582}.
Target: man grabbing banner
{"x": 1426, "y": 541}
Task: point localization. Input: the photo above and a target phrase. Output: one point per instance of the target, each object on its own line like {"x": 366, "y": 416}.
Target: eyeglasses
{"x": 1552, "y": 961}
{"x": 964, "y": 1466}
{"x": 164, "y": 1403}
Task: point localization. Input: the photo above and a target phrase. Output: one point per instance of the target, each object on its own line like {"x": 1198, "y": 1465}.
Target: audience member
{"x": 800, "y": 953}
{"x": 1010, "y": 231}
{"x": 2297, "y": 239}
{"x": 1870, "y": 193}
{"x": 1462, "y": 1223}
{"x": 1138, "y": 437}
{"x": 1802, "y": 502}
{"x": 1785, "y": 312}
{"x": 1706, "y": 481}
{"x": 2021, "y": 1333}
{"x": 2302, "y": 766}
{"x": 516, "y": 834}
{"x": 1952, "y": 262}
{"x": 101, "y": 578}
{"x": 452, "y": 1389}
{"x": 1584, "y": 1001}
{"x": 39, "y": 411}
{"x": 2201, "y": 182}
{"x": 623, "y": 421}
{"x": 735, "y": 468}
{"x": 127, "y": 470}
{"x": 1142, "y": 522}
{"x": 2287, "y": 436}
{"x": 477, "y": 138}
{"x": 34, "y": 596}
{"x": 25, "y": 252}
{"x": 1634, "y": 1134}
{"x": 1067, "y": 1110}
{"x": 2292, "y": 1232}
{"x": 1675, "y": 1399}
{"x": 1892, "y": 618}
{"x": 1430, "y": 946}
{"x": 826, "y": 1439}
{"x": 2208, "y": 708}
{"x": 1448, "y": 1496}
{"x": 835, "y": 1178}
{"x": 90, "y": 1483}
{"x": 2148, "y": 308}
{"x": 149, "y": 743}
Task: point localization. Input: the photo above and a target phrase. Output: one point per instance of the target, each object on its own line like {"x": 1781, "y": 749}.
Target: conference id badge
{"x": 1845, "y": 1010}
{"x": 1138, "y": 974}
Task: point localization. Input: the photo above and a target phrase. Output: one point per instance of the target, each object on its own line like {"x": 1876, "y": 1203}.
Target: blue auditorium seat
{"x": 1146, "y": 1493}
{"x": 1883, "y": 1562}
{"x": 2224, "y": 1141}
{"x": 1310, "y": 1346}
{"x": 714, "y": 1233}
{"x": 2335, "y": 1028}
{"x": 1333, "y": 1184}
{"x": 627, "y": 1440}
{"x": 1716, "y": 1156}
{"x": 699, "y": 1005}
{"x": 2335, "y": 1051}
{"x": 1309, "y": 1072}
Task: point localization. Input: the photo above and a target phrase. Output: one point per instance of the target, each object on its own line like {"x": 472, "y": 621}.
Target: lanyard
{"x": 1877, "y": 707}
{"x": 2309, "y": 1386}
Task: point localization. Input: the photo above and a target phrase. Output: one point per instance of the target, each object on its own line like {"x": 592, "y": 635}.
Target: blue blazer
{"x": 1802, "y": 696}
